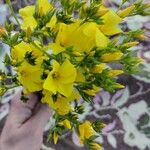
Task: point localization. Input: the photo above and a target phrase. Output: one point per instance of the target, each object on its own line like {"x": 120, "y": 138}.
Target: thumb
{"x": 41, "y": 117}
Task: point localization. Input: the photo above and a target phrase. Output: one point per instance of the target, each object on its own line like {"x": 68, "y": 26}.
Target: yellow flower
{"x": 61, "y": 78}
{"x": 89, "y": 33}
{"x": 55, "y": 137}
{"x": 30, "y": 76}
{"x": 18, "y": 52}
{"x": 66, "y": 123}
{"x": 108, "y": 57}
{"x": 113, "y": 73}
{"x": 95, "y": 146}
{"x": 110, "y": 26}
{"x": 85, "y": 131}
{"x": 99, "y": 68}
{"x": 125, "y": 12}
{"x": 27, "y": 14}
{"x": 61, "y": 105}
{"x": 90, "y": 36}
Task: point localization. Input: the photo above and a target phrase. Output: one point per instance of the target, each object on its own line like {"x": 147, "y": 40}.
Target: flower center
{"x": 55, "y": 75}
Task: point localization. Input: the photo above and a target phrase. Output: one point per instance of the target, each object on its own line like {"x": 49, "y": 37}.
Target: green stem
{"x": 12, "y": 11}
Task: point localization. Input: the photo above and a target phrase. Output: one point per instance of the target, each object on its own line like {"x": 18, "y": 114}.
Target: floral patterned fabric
{"x": 126, "y": 112}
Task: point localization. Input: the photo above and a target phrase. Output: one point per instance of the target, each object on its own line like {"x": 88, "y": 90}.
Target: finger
{"x": 20, "y": 111}
{"x": 40, "y": 118}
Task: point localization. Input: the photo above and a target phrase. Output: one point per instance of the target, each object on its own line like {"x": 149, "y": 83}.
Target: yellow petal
{"x": 28, "y": 19}
{"x": 101, "y": 40}
{"x": 67, "y": 72}
{"x": 65, "y": 89}
{"x": 52, "y": 22}
{"x": 27, "y": 11}
{"x": 56, "y": 48}
{"x": 44, "y": 7}
{"x": 50, "y": 84}
{"x": 111, "y": 21}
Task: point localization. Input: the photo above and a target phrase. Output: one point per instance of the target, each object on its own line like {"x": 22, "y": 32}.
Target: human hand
{"x": 25, "y": 124}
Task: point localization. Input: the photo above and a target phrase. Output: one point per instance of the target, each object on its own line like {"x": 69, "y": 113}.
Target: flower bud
{"x": 119, "y": 86}
{"x": 125, "y": 12}
{"x": 65, "y": 123}
{"x": 113, "y": 73}
{"x": 29, "y": 32}
{"x": 2, "y": 31}
{"x": 142, "y": 37}
{"x": 77, "y": 54}
{"x": 98, "y": 68}
{"x": 55, "y": 137}
{"x": 130, "y": 44}
{"x": 2, "y": 91}
{"x": 108, "y": 57}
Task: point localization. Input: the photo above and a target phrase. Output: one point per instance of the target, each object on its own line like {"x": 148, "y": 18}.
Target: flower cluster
{"x": 64, "y": 53}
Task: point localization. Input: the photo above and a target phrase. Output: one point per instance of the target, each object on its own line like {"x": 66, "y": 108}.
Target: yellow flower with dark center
{"x": 27, "y": 14}
{"x": 30, "y": 76}
{"x": 85, "y": 131}
{"x": 62, "y": 104}
{"x": 61, "y": 78}
{"x": 18, "y": 52}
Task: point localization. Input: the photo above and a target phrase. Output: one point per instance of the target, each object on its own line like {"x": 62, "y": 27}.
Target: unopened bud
{"x": 125, "y": 12}
{"x": 130, "y": 44}
{"x": 2, "y": 31}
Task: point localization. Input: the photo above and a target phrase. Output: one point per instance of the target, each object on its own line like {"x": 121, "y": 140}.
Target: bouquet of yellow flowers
{"x": 63, "y": 51}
